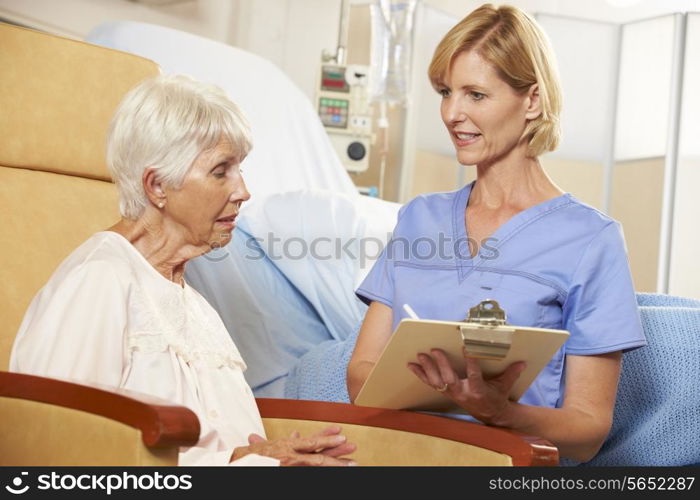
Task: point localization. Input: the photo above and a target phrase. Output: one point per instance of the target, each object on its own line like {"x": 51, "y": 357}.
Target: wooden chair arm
{"x": 161, "y": 423}
{"x": 524, "y": 450}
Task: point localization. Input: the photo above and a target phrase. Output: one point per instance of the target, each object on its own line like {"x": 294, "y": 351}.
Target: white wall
{"x": 644, "y": 96}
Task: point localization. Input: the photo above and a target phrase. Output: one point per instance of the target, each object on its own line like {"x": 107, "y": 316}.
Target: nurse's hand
{"x": 325, "y": 448}
{"x": 485, "y": 398}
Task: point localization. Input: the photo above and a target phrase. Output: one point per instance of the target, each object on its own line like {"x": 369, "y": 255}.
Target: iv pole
{"x": 341, "y": 50}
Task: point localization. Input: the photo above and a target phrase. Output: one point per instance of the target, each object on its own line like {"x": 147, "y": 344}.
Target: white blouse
{"x": 106, "y": 316}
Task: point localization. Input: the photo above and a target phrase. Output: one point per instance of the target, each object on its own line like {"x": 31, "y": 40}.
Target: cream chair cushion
{"x": 57, "y": 97}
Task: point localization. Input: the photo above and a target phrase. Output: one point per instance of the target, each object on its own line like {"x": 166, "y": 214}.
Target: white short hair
{"x": 165, "y": 123}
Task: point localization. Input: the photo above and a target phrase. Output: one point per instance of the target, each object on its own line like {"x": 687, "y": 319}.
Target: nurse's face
{"x": 484, "y": 115}
{"x": 204, "y": 208}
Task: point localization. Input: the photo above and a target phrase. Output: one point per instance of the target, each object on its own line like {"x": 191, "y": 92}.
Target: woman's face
{"x": 484, "y": 115}
{"x": 205, "y": 206}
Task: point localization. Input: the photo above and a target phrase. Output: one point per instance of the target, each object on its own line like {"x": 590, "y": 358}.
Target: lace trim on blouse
{"x": 176, "y": 320}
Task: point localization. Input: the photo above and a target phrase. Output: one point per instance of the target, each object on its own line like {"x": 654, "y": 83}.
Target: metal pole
{"x": 609, "y": 160}
{"x": 341, "y": 51}
{"x": 671, "y": 163}
{"x": 410, "y": 124}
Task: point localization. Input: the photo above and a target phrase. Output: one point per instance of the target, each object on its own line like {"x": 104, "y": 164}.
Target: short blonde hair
{"x": 165, "y": 123}
{"x": 514, "y": 44}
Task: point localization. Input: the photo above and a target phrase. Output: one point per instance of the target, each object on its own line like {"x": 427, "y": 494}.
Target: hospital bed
{"x": 57, "y": 96}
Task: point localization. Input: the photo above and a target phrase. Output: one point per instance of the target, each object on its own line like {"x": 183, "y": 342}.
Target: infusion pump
{"x": 346, "y": 113}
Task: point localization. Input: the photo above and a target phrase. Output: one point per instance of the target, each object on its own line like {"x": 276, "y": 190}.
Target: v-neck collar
{"x": 465, "y": 263}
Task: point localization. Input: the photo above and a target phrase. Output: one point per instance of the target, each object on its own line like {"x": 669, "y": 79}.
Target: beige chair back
{"x": 57, "y": 97}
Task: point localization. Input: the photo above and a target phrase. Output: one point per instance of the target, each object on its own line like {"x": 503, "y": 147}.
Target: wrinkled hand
{"x": 325, "y": 448}
{"x": 484, "y": 398}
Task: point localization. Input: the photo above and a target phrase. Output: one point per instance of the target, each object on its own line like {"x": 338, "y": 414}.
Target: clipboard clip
{"x": 487, "y": 312}
{"x": 479, "y": 334}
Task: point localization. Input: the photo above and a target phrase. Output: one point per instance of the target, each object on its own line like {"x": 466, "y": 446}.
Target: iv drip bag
{"x": 390, "y": 63}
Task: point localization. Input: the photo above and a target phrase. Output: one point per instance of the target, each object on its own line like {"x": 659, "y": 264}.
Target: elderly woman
{"x": 548, "y": 259}
{"x": 117, "y": 311}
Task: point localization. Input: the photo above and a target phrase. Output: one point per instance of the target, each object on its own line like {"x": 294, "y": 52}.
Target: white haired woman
{"x": 117, "y": 311}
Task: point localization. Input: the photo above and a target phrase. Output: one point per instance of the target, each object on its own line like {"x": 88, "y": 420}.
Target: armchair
{"x": 57, "y": 97}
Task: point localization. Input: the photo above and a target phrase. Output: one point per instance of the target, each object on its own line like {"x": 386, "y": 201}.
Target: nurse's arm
{"x": 374, "y": 335}
{"x": 581, "y": 425}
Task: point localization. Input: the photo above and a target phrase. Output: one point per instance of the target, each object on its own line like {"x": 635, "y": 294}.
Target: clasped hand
{"x": 325, "y": 448}
{"x": 484, "y": 398}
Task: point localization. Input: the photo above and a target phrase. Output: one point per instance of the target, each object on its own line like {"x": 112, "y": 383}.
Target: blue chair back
{"x": 657, "y": 414}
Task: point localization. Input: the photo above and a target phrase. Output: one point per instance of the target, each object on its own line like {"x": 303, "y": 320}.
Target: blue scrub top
{"x": 560, "y": 264}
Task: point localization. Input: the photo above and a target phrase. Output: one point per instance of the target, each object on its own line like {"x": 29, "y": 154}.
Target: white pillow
{"x": 325, "y": 243}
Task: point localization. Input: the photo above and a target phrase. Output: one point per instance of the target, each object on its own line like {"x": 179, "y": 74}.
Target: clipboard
{"x": 484, "y": 335}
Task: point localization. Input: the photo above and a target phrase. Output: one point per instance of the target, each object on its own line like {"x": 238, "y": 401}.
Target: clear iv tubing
{"x": 383, "y": 125}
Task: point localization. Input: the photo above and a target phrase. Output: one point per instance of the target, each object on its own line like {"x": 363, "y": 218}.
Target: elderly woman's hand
{"x": 325, "y": 448}
{"x": 484, "y": 398}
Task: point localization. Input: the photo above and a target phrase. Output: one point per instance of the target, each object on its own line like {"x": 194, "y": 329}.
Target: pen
{"x": 411, "y": 313}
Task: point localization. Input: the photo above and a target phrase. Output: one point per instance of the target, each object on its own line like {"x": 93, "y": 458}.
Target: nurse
{"x": 512, "y": 235}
